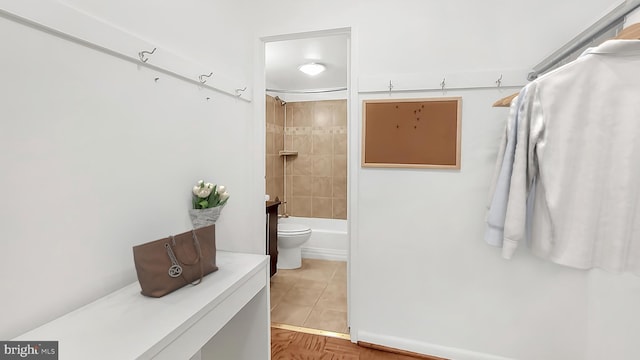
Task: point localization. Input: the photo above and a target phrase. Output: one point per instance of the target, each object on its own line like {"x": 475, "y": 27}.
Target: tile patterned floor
{"x": 314, "y": 296}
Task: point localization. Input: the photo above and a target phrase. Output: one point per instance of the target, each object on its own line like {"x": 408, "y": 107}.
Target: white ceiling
{"x": 282, "y": 59}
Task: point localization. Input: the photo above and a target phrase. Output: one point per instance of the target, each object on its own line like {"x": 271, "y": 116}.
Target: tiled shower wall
{"x": 274, "y": 143}
{"x": 316, "y": 179}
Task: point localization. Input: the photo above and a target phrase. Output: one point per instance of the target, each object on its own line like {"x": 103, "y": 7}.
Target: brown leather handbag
{"x": 168, "y": 264}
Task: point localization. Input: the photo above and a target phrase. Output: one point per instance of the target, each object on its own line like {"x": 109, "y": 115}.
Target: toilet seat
{"x": 293, "y": 229}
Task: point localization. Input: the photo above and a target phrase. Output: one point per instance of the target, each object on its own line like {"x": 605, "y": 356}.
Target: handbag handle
{"x": 196, "y": 245}
{"x": 176, "y": 269}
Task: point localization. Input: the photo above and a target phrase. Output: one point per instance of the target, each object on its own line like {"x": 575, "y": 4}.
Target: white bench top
{"x": 127, "y": 325}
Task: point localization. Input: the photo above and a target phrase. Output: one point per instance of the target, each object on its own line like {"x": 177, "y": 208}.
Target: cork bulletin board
{"x": 412, "y": 133}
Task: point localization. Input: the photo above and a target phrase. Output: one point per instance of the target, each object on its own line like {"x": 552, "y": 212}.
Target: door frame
{"x": 353, "y": 152}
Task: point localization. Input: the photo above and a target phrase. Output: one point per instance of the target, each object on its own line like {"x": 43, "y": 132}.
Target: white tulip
{"x": 200, "y": 183}
{"x": 209, "y": 185}
{"x": 202, "y": 193}
{"x": 224, "y": 196}
{"x": 221, "y": 189}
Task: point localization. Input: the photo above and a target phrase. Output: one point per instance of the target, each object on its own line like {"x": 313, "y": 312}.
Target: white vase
{"x": 204, "y": 217}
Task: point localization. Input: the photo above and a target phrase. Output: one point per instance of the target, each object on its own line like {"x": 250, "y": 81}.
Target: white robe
{"x": 579, "y": 140}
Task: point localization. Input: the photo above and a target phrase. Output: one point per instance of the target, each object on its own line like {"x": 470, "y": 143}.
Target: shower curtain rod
{"x": 319, "y": 91}
{"x": 609, "y": 21}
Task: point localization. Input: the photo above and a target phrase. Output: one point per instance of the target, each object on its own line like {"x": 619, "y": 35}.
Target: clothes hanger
{"x": 505, "y": 101}
{"x": 629, "y": 33}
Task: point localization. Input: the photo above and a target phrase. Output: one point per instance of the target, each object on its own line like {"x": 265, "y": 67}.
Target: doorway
{"x": 306, "y": 168}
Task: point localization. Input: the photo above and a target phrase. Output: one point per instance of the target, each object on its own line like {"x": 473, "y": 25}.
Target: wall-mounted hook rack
{"x": 390, "y": 87}
{"x": 434, "y": 81}
{"x": 499, "y": 81}
{"x": 61, "y": 19}
{"x": 201, "y": 77}
{"x": 142, "y": 54}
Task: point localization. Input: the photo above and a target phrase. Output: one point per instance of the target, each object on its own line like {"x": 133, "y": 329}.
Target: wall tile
{"x": 302, "y": 144}
{"x": 279, "y": 114}
{"x": 302, "y": 165}
{"x": 278, "y": 143}
{"x": 302, "y": 185}
{"x": 278, "y": 188}
{"x": 321, "y": 207}
{"x": 322, "y": 165}
{"x": 302, "y": 114}
{"x": 322, "y": 144}
{"x": 340, "y": 166}
{"x": 269, "y": 167}
{"x": 340, "y": 113}
{"x": 269, "y": 143}
{"x": 339, "y": 208}
{"x": 339, "y": 144}
{"x": 288, "y": 186}
{"x": 317, "y": 130}
{"x": 339, "y": 187}
{"x": 278, "y": 166}
{"x": 322, "y": 115}
{"x": 288, "y": 116}
{"x": 288, "y": 142}
{"x": 322, "y": 187}
{"x": 299, "y": 206}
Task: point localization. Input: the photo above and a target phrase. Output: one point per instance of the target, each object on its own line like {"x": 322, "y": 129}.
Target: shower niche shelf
{"x": 287, "y": 153}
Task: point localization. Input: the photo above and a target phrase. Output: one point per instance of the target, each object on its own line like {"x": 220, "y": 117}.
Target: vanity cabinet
{"x": 272, "y": 233}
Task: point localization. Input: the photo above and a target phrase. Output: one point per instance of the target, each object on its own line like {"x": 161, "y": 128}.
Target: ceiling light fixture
{"x": 312, "y": 69}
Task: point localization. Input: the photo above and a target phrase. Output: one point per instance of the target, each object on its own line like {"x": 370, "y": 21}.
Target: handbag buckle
{"x": 175, "y": 269}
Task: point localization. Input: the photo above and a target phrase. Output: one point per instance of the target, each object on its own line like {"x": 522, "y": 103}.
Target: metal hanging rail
{"x": 606, "y": 23}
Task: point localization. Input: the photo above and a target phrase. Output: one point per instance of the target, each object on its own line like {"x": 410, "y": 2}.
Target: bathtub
{"x": 329, "y": 239}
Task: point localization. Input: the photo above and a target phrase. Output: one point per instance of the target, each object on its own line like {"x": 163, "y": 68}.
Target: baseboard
{"x": 324, "y": 254}
{"x": 399, "y": 352}
{"x": 424, "y": 348}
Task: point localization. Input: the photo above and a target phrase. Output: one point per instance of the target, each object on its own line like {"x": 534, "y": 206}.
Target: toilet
{"x": 290, "y": 240}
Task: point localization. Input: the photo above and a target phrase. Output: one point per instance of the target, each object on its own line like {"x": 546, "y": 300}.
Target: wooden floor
{"x": 289, "y": 345}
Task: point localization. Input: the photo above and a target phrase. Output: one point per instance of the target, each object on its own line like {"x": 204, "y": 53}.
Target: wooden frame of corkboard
{"x": 412, "y": 133}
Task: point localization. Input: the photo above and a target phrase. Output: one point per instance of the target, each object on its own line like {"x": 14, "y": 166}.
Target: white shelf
{"x": 128, "y": 325}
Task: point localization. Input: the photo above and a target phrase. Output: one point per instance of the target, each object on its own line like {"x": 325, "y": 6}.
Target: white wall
{"x": 422, "y": 278}
{"x": 97, "y": 157}
{"x": 614, "y": 318}
{"x": 91, "y": 127}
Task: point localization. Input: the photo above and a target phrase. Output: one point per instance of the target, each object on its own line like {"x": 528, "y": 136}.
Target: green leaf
{"x": 214, "y": 199}
{"x": 203, "y": 204}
